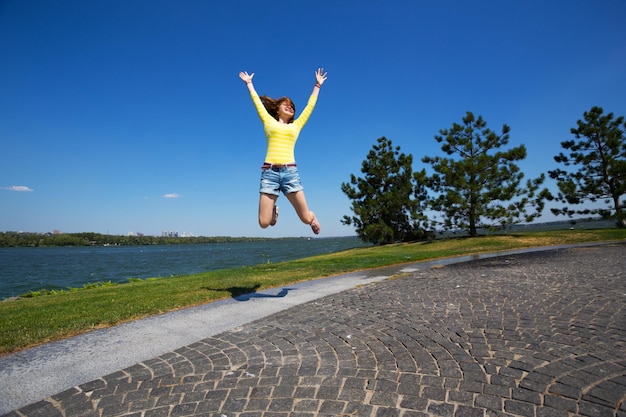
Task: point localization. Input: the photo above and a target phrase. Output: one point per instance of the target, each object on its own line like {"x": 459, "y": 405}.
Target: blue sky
{"x": 128, "y": 116}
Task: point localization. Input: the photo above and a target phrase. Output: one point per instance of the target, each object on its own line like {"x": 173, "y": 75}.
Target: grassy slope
{"x": 31, "y": 321}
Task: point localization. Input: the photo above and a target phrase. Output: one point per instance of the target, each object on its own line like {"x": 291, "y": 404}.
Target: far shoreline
{"x": 12, "y": 239}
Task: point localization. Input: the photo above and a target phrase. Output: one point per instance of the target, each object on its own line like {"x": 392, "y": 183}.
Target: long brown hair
{"x": 271, "y": 105}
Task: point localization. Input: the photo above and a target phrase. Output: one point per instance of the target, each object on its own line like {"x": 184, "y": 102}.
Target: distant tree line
{"x": 20, "y": 239}
{"x": 476, "y": 184}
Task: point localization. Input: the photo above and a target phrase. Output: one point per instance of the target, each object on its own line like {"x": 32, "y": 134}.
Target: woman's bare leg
{"x": 268, "y": 212}
{"x": 298, "y": 201}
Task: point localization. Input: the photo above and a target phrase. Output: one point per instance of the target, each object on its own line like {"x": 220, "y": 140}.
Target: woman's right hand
{"x": 247, "y": 78}
{"x": 320, "y": 76}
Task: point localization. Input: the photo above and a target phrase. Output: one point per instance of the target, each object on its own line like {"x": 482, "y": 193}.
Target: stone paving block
{"x": 434, "y": 393}
{"x": 385, "y": 385}
{"x": 525, "y": 395}
{"x": 414, "y": 402}
{"x": 472, "y": 386}
{"x": 383, "y": 398}
{"x": 234, "y": 405}
{"x": 464, "y": 411}
{"x": 358, "y": 409}
{"x": 387, "y": 412}
{"x": 460, "y": 397}
{"x": 551, "y": 412}
{"x": 281, "y": 404}
{"x": 489, "y": 402}
{"x": 441, "y": 409}
{"x": 139, "y": 406}
{"x": 307, "y": 405}
{"x": 594, "y": 410}
{"x": 183, "y": 409}
{"x": 158, "y": 412}
{"x": 497, "y": 390}
{"x": 560, "y": 403}
{"x": 352, "y": 395}
{"x": 258, "y": 404}
{"x": 327, "y": 393}
{"x": 519, "y": 408}
{"x": 333, "y": 408}
{"x": 209, "y": 406}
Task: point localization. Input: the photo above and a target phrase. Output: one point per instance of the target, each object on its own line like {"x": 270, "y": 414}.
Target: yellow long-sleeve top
{"x": 281, "y": 137}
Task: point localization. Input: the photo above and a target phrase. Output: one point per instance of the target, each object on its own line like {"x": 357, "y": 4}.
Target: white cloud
{"x": 22, "y": 188}
{"x": 173, "y": 195}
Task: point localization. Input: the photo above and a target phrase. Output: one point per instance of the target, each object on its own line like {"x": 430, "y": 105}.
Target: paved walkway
{"x": 536, "y": 334}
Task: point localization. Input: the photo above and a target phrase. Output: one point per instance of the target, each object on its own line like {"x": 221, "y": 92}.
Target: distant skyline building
{"x": 174, "y": 233}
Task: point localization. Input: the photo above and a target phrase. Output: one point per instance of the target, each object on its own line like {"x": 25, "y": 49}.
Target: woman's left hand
{"x": 320, "y": 76}
{"x": 245, "y": 77}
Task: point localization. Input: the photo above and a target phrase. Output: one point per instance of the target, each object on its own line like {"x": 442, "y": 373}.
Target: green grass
{"x": 27, "y": 322}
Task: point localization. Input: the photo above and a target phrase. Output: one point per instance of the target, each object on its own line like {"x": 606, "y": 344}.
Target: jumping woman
{"x": 279, "y": 172}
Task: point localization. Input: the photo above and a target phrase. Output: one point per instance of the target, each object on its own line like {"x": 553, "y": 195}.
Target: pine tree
{"x": 385, "y": 203}
{"x": 597, "y": 162}
{"x": 478, "y": 185}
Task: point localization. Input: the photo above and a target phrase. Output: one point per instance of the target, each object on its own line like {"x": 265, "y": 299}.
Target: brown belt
{"x": 267, "y": 165}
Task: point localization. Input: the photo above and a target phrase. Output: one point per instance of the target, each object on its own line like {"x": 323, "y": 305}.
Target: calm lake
{"x": 30, "y": 269}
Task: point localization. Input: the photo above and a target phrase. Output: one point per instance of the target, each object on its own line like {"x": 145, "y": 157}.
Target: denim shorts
{"x": 285, "y": 179}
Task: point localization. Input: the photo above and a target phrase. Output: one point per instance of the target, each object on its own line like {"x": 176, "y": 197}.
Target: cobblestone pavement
{"x": 537, "y": 334}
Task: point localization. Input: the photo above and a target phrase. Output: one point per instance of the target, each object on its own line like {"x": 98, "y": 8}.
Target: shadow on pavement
{"x": 247, "y": 293}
